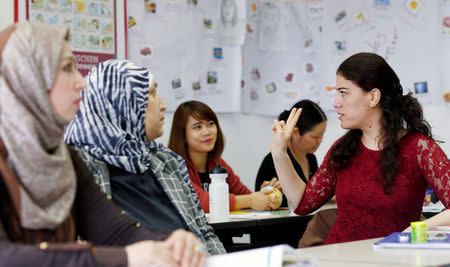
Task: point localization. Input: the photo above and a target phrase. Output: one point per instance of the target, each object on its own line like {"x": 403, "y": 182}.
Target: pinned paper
{"x": 381, "y": 4}
{"x": 150, "y": 6}
{"x": 289, "y": 77}
{"x": 207, "y": 23}
{"x": 421, "y": 87}
{"x": 131, "y": 22}
{"x": 217, "y": 52}
{"x": 145, "y": 51}
{"x": 340, "y": 46}
{"x": 176, "y": 83}
{"x": 309, "y": 68}
{"x": 413, "y": 6}
{"x": 255, "y": 74}
{"x": 271, "y": 88}
{"x": 254, "y": 96}
{"x": 360, "y": 18}
{"x": 211, "y": 77}
{"x": 196, "y": 85}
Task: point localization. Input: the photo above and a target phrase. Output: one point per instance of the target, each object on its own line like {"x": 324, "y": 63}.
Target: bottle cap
{"x": 218, "y": 169}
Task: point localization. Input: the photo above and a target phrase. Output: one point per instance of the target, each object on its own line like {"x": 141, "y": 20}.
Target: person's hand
{"x": 260, "y": 201}
{"x": 187, "y": 249}
{"x": 146, "y": 253}
{"x": 407, "y": 230}
{"x": 282, "y": 131}
{"x": 274, "y": 182}
{"x": 427, "y": 199}
{"x": 446, "y": 97}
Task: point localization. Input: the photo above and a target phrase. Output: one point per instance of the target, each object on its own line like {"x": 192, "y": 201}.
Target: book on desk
{"x": 435, "y": 240}
{"x": 274, "y": 256}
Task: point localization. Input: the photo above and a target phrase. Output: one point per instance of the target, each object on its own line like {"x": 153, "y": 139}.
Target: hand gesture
{"x": 261, "y": 201}
{"x": 146, "y": 253}
{"x": 282, "y": 131}
{"x": 182, "y": 248}
{"x": 187, "y": 249}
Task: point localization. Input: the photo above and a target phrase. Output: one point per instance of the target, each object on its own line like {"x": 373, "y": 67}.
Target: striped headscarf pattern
{"x": 111, "y": 122}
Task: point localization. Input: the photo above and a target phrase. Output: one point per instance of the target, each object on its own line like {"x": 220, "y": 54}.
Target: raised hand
{"x": 282, "y": 131}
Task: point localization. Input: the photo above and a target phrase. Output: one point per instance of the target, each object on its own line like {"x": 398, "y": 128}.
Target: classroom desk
{"x": 362, "y": 253}
{"x": 280, "y": 227}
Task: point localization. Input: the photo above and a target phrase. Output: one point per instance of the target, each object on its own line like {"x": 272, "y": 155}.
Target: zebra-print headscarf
{"x": 111, "y": 122}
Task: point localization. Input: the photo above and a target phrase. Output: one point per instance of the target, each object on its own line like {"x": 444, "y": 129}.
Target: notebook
{"x": 436, "y": 240}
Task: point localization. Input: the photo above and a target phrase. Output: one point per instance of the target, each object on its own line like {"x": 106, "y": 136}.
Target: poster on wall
{"x": 92, "y": 26}
{"x": 293, "y": 48}
{"x": 192, "y": 49}
{"x": 281, "y": 57}
{"x": 403, "y": 32}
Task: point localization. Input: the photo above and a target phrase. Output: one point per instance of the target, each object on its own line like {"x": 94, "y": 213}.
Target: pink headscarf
{"x": 30, "y": 128}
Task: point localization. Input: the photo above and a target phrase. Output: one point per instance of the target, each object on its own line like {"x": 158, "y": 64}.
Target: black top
{"x": 204, "y": 177}
{"x": 267, "y": 171}
{"x": 144, "y": 200}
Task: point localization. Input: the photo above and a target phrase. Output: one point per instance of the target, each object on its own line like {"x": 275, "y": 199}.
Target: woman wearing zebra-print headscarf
{"x": 120, "y": 116}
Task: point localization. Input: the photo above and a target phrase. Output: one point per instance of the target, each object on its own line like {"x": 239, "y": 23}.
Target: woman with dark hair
{"x": 306, "y": 138}
{"x": 49, "y": 201}
{"x": 380, "y": 168}
{"x": 197, "y": 137}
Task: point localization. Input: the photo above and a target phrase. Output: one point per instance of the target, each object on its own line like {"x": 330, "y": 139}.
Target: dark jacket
{"x": 94, "y": 218}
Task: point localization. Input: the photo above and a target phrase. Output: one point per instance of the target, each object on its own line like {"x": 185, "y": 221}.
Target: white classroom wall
{"x": 248, "y": 136}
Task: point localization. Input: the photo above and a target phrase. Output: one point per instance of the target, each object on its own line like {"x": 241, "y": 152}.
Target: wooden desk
{"x": 362, "y": 253}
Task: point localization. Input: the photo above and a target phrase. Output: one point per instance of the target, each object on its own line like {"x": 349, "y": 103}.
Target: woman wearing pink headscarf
{"x": 48, "y": 195}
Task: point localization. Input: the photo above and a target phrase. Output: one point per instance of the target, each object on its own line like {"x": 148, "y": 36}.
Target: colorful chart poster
{"x": 92, "y": 27}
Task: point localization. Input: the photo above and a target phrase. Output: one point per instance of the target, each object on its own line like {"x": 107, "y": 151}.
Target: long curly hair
{"x": 368, "y": 71}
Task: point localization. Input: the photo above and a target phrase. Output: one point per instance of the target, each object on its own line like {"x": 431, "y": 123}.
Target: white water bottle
{"x": 219, "y": 205}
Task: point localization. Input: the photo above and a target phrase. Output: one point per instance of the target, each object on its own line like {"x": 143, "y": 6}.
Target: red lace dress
{"x": 364, "y": 210}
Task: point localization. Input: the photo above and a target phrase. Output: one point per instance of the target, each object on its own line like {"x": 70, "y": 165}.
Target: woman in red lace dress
{"x": 379, "y": 170}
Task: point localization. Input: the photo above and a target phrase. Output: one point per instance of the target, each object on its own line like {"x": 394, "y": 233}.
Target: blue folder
{"x": 392, "y": 241}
